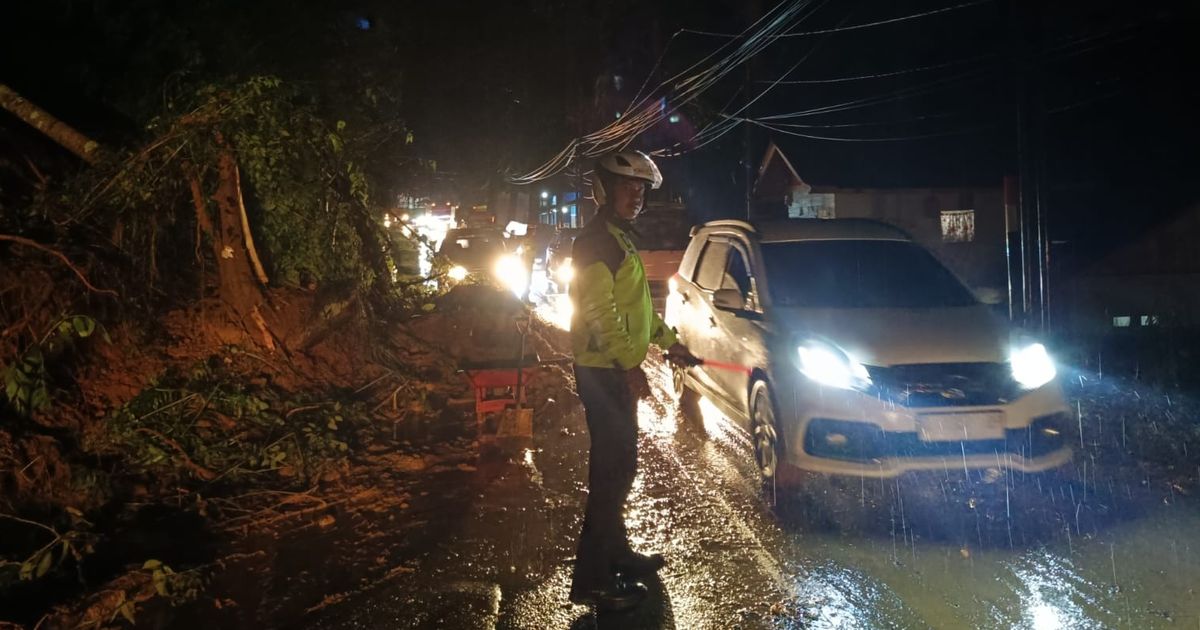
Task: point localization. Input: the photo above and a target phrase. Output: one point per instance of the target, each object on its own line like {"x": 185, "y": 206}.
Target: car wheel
{"x": 688, "y": 398}
{"x": 765, "y": 433}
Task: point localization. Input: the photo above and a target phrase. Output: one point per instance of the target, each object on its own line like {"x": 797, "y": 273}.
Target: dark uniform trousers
{"x": 612, "y": 465}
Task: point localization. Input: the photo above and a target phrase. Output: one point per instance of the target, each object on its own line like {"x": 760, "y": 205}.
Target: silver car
{"x": 844, "y": 347}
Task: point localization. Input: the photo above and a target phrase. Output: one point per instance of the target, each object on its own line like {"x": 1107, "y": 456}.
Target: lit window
{"x": 1149, "y": 320}
{"x": 958, "y": 226}
{"x": 1122, "y": 321}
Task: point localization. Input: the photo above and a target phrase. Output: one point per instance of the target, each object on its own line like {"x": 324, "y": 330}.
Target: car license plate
{"x": 955, "y": 427}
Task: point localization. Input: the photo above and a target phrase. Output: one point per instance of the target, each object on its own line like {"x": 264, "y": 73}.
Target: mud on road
{"x": 1102, "y": 544}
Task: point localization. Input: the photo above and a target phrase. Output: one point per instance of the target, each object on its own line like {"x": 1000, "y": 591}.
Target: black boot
{"x": 617, "y": 596}
{"x": 638, "y": 565}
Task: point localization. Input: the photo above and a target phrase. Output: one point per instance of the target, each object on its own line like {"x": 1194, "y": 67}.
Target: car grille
{"x": 865, "y": 442}
{"x": 944, "y": 384}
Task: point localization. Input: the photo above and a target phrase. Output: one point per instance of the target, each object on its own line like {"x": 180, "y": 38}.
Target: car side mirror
{"x": 729, "y": 300}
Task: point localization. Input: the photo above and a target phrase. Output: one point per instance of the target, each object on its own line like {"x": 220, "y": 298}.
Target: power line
{"x": 873, "y": 123}
{"x": 622, "y": 132}
{"x": 871, "y": 101}
{"x": 1072, "y": 47}
{"x": 876, "y": 139}
{"x": 1085, "y": 102}
{"x": 881, "y": 75}
{"x": 1055, "y": 52}
{"x": 854, "y": 27}
{"x": 723, "y": 129}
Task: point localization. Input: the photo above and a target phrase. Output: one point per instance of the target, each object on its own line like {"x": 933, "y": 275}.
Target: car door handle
{"x": 712, "y": 321}
{"x": 684, "y": 297}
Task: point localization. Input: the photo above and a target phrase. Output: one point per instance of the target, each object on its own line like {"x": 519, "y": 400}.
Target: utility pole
{"x": 1033, "y": 284}
{"x": 753, "y": 12}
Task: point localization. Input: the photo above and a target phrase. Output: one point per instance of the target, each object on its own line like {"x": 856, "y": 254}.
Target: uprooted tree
{"x": 233, "y": 165}
{"x": 234, "y": 203}
{"x": 234, "y": 186}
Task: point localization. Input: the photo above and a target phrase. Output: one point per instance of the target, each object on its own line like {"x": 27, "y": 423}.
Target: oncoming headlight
{"x": 457, "y": 273}
{"x": 1032, "y": 366}
{"x": 829, "y": 366}
{"x": 510, "y": 272}
{"x": 565, "y": 272}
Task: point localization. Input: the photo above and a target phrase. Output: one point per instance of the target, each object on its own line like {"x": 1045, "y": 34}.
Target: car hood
{"x": 901, "y": 336}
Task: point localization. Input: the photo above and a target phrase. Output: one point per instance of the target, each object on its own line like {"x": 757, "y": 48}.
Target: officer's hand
{"x": 639, "y": 387}
{"x": 679, "y": 355}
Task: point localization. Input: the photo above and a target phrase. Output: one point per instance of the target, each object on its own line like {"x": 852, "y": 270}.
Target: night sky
{"x": 494, "y": 89}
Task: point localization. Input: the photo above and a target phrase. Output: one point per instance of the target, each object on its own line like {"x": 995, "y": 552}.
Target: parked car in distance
{"x": 867, "y": 357}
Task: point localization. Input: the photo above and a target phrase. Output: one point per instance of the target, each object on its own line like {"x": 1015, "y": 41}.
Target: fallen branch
{"x": 33, "y": 523}
{"x": 303, "y": 408}
{"x": 200, "y": 471}
{"x": 269, "y": 516}
{"x": 368, "y": 385}
{"x": 61, "y": 256}
{"x": 60, "y": 132}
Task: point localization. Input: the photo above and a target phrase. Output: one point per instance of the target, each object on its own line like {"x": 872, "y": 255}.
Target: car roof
{"x": 783, "y": 230}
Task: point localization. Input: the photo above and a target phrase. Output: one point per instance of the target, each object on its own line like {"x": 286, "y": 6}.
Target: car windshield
{"x": 860, "y": 274}
{"x": 472, "y": 250}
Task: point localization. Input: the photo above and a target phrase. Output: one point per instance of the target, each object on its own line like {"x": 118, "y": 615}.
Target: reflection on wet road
{"x": 999, "y": 551}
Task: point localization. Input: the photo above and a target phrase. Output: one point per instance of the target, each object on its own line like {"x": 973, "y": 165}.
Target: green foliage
{"x": 57, "y": 548}
{"x": 306, "y": 195}
{"x": 207, "y": 418}
{"x": 176, "y": 587}
{"x": 298, "y": 181}
{"x": 27, "y": 380}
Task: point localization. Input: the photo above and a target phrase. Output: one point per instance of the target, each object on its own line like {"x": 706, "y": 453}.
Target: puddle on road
{"x": 734, "y": 563}
{"x": 1047, "y": 561}
{"x": 1140, "y": 574}
{"x": 535, "y": 475}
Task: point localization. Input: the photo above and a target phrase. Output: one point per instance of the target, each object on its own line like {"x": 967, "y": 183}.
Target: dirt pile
{"x": 186, "y": 432}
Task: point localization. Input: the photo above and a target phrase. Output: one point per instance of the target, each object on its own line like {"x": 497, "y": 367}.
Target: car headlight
{"x": 829, "y": 366}
{"x": 565, "y": 272}
{"x": 457, "y": 273}
{"x": 1032, "y": 366}
{"x": 510, "y": 272}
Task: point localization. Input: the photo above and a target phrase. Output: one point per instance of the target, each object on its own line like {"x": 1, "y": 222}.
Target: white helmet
{"x": 633, "y": 164}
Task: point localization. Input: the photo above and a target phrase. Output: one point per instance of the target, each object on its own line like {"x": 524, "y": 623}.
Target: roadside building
{"x": 963, "y": 226}
{"x": 1137, "y": 309}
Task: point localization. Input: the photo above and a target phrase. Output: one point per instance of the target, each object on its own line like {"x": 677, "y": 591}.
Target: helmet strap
{"x": 598, "y": 192}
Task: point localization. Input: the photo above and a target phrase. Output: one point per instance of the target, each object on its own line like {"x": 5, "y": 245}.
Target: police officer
{"x": 613, "y": 324}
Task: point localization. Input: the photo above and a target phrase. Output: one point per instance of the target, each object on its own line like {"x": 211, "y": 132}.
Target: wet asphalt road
{"x": 1083, "y": 549}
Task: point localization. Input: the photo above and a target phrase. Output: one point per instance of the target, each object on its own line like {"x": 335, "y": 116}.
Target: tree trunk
{"x": 57, "y": 130}
{"x": 374, "y": 249}
{"x": 238, "y": 286}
